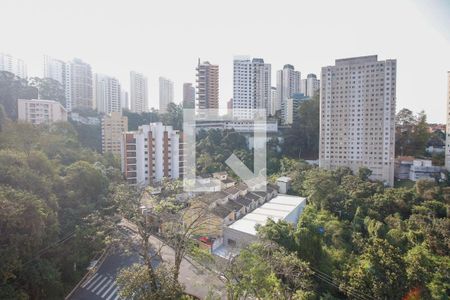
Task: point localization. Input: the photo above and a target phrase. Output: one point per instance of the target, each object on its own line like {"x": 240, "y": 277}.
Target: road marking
{"x": 106, "y": 292}
{"x": 113, "y": 293}
{"x": 90, "y": 279}
{"x": 105, "y": 286}
{"x": 99, "y": 284}
{"x": 117, "y": 297}
{"x": 94, "y": 282}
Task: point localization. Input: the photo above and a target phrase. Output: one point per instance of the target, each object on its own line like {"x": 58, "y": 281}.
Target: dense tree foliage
{"x": 135, "y": 120}
{"x": 411, "y": 133}
{"x": 174, "y": 116}
{"x": 215, "y": 146}
{"x": 364, "y": 240}
{"x": 13, "y": 88}
{"x": 89, "y": 135}
{"x": 302, "y": 139}
{"x": 134, "y": 283}
{"x": 49, "y": 89}
{"x": 50, "y": 187}
{"x": 265, "y": 270}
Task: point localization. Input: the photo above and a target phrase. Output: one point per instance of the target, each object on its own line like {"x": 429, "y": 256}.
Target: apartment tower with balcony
{"x": 207, "y": 85}
{"x": 357, "y": 116}
{"x": 151, "y": 153}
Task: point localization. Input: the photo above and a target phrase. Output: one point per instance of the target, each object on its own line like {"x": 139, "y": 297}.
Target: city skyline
{"x": 424, "y": 50}
{"x": 169, "y": 149}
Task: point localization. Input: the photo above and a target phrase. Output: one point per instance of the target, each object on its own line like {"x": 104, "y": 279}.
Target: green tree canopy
{"x": 302, "y": 139}
{"x": 49, "y": 89}
{"x": 13, "y": 88}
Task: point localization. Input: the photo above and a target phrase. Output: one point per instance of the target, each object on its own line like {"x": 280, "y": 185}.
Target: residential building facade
{"x": 107, "y": 94}
{"x": 407, "y": 167}
{"x": 113, "y": 126}
{"x": 188, "y": 95}
{"x": 230, "y": 107}
{"x": 165, "y": 94}
{"x": 357, "y": 116}
{"x": 138, "y": 92}
{"x": 288, "y": 83}
{"x": 79, "y": 85}
{"x": 274, "y": 105}
{"x": 13, "y": 65}
{"x": 54, "y": 69}
{"x": 152, "y": 153}
{"x": 251, "y": 86}
{"x": 36, "y": 111}
{"x": 207, "y": 85}
{"x": 292, "y": 107}
{"x": 124, "y": 100}
{"x": 310, "y": 86}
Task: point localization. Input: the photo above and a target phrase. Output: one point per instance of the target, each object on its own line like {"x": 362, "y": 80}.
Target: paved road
{"x": 101, "y": 285}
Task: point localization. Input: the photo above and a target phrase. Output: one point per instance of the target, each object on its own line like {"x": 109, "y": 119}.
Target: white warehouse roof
{"x": 276, "y": 209}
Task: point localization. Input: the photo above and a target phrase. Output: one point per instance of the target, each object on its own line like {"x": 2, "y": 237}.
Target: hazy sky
{"x": 165, "y": 38}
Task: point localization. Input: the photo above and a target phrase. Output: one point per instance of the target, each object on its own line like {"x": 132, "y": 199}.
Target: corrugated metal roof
{"x": 276, "y": 209}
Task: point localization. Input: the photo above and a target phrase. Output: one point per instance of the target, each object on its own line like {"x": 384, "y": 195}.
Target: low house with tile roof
{"x": 247, "y": 203}
{"x": 256, "y": 199}
{"x": 228, "y": 205}
{"x": 233, "y": 192}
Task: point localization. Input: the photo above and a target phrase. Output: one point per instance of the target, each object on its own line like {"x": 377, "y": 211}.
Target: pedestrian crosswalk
{"x": 103, "y": 286}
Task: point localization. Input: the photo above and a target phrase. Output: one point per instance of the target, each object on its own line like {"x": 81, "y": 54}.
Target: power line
{"x": 332, "y": 280}
{"x": 44, "y": 250}
{"x": 343, "y": 288}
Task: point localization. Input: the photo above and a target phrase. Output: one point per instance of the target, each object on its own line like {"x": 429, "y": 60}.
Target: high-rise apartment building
{"x": 251, "y": 86}
{"x": 54, "y": 69}
{"x": 113, "y": 126}
{"x": 230, "y": 107}
{"x": 124, "y": 101}
{"x": 165, "y": 93}
{"x": 310, "y": 86}
{"x": 36, "y": 111}
{"x": 79, "y": 85}
{"x": 152, "y": 153}
{"x": 447, "y": 130}
{"x": 274, "y": 105}
{"x": 357, "y": 116}
{"x": 207, "y": 86}
{"x": 107, "y": 94}
{"x": 288, "y": 83}
{"x": 13, "y": 65}
{"x": 138, "y": 92}
{"x": 188, "y": 95}
{"x": 76, "y": 79}
{"x": 292, "y": 107}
